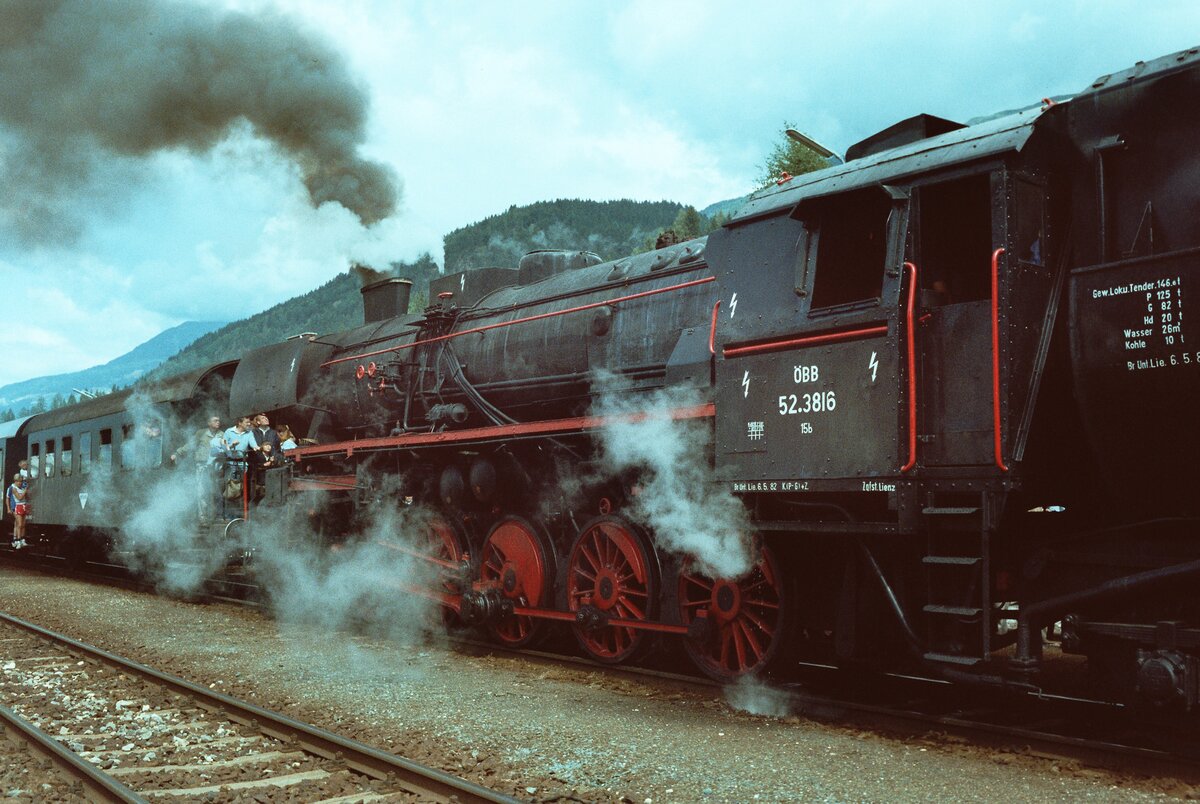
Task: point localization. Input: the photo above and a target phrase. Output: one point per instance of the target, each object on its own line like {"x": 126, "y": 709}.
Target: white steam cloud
{"x": 754, "y": 697}
{"x": 677, "y": 497}
{"x": 365, "y": 584}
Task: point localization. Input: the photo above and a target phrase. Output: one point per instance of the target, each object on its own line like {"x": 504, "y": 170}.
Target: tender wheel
{"x": 518, "y": 561}
{"x": 737, "y": 625}
{"x": 611, "y": 573}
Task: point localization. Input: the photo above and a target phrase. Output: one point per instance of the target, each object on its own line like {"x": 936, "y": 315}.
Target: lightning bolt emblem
{"x": 462, "y": 282}
{"x": 733, "y": 305}
{"x": 873, "y": 365}
{"x": 745, "y": 384}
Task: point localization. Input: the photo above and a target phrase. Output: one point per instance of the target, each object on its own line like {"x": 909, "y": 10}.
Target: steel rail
{"x": 419, "y": 779}
{"x": 97, "y": 785}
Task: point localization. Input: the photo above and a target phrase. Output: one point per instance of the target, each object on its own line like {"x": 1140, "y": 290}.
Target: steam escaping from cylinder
{"x": 756, "y": 697}
{"x": 91, "y": 88}
{"x": 677, "y": 497}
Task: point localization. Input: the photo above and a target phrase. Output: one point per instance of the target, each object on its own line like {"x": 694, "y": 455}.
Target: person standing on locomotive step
{"x": 16, "y": 502}
{"x": 205, "y": 449}
{"x": 239, "y": 443}
{"x": 264, "y": 433}
{"x": 286, "y": 439}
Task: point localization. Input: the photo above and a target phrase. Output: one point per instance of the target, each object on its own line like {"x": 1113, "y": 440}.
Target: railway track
{"x": 128, "y": 732}
{"x": 1046, "y": 725}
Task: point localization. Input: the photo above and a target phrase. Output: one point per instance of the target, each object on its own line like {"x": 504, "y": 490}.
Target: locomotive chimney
{"x": 385, "y": 299}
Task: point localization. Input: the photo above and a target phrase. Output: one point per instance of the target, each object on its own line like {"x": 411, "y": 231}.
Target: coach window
{"x": 50, "y": 458}
{"x": 85, "y": 453}
{"x": 128, "y": 455}
{"x": 105, "y": 448}
{"x": 35, "y": 459}
{"x": 67, "y": 456}
{"x": 851, "y": 248}
{"x": 152, "y": 441}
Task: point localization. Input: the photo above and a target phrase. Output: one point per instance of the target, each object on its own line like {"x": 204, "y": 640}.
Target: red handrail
{"x": 524, "y": 320}
{"x": 810, "y": 340}
{"x": 712, "y": 330}
{"x": 911, "y": 339}
{"x": 996, "y": 358}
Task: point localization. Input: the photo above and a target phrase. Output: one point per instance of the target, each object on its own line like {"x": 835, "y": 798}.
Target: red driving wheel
{"x": 612, "y": 569}
{"x": 745, "y": 618}
{"x": 518, "y": 560}
{"x": 444, "y": 543}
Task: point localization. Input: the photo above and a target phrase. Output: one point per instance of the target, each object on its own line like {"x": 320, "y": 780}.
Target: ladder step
{"x": 956, "y": 611}
{"x": 961, "y": 561}
{"x": 933, "y": 511}
{"x": 947, "y": 658}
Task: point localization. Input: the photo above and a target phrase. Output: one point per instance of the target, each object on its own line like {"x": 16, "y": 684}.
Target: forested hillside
{"x": 611, "y": 229}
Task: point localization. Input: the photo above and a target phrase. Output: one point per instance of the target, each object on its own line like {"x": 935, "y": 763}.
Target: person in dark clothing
{"x": 264, "y": 433}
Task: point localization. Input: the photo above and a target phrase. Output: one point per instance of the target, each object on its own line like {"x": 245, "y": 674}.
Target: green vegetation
{"x": 612, "y": 229}
{"x": 688, "y": 224}
{"x": 789, "y": 157}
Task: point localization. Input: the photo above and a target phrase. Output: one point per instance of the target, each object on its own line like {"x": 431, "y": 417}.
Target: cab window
{"x": 851, "y": 248}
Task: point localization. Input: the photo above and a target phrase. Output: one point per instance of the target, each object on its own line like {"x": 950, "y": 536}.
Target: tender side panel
{"x": 1136, "y": 352}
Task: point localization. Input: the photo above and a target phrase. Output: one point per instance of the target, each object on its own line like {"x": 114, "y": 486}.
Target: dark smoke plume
{"x": 365, "y": 274}
{"x": 90, "y": 87}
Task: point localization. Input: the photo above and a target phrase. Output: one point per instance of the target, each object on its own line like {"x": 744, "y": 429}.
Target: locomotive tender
{"x": 952, "y": 380}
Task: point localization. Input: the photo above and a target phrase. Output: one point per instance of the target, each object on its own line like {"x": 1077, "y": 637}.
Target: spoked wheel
{"x": 518, "y": 560}
{"x": 744, "y": 619}
{"x": 441, "y": 541}
{"x": 613, "y": 571}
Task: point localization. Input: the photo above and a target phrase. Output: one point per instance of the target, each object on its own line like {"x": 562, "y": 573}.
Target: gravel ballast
{"x": 543, "y": 732}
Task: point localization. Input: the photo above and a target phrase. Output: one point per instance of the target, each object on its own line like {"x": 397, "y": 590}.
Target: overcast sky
{"x": 109, "y": 235}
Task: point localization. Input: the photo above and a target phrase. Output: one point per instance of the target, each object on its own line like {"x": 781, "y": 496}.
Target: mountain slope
{"x": 120, "y": 371}
{"x": 612, "y": 229}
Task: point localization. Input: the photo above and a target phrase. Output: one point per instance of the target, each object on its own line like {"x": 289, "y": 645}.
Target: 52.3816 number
{"x": 815, "y": 402}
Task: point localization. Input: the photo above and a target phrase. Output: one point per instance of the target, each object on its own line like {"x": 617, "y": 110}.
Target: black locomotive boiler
{"x": 952, "y": 382}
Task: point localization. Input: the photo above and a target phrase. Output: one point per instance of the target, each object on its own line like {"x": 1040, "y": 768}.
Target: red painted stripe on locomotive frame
{"x": 548, "y": 427}
{"x": 809, "y": 340}
{"x": 525, "y": 320}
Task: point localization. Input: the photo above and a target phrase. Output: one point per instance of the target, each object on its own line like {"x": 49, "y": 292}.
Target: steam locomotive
{"x": 948, "y": 382}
